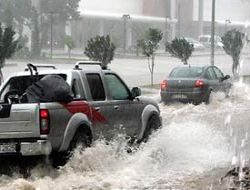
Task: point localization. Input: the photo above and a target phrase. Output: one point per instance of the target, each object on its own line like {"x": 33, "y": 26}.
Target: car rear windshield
{"x": 204, "y": 39}
{"x": 186, "y": 72}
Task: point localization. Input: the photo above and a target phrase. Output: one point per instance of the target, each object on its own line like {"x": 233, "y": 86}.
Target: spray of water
{"x": 193, "y": 141}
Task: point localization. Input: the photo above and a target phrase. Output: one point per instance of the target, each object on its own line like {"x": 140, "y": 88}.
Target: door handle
{"x": 97, "y": 109}
{"x": 116, "y": 107}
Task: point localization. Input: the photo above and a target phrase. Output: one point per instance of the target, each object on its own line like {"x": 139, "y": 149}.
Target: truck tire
{"x": 81, "y": 138}
{"x": 153, "y": 124}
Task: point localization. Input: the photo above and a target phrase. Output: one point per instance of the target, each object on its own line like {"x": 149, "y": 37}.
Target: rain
{"x": 204, "y": 145}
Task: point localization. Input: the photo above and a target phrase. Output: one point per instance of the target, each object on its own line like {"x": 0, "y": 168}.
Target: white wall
{"x": 235, "y": 10}
{"x": 112, "y": 6}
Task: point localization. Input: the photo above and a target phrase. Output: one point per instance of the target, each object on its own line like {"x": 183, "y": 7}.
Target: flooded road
{"x": 196, "y": 146}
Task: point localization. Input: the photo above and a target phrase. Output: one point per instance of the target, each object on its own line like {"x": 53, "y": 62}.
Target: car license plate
{"x": 8, "y": 148}
{"x": 179, "y": 96}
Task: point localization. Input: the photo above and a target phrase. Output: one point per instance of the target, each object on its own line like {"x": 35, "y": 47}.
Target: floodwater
{"x": 196, "y": 146}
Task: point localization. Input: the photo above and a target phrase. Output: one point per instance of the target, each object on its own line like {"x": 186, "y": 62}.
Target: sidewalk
{"x": 77, "y": 54}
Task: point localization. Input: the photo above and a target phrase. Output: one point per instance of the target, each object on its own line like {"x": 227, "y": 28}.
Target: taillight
{"x": 164, "y": 85}
{"x": 44, "y": 121}
{"x": 199, "y": 84}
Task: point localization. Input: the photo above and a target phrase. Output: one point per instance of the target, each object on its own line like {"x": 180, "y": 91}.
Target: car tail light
{"x": 199, "y": 84}
{"x": 44, "y": 121}
{"x": 164, "y": 85}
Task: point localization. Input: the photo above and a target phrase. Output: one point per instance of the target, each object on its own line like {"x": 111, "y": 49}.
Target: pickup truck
{"x": 102, "y": 105}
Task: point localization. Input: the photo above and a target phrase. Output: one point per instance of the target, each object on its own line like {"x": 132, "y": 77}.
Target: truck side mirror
{"x": 135, "y": 92}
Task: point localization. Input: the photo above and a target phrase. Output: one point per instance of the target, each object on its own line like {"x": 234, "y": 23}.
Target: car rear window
{"x": 204, "y": 39}
{"x": 186, "y": 72}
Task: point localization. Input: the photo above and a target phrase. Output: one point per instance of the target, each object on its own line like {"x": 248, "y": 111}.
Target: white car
{"x": 197, "y": 45}
{"x": 206, "y": 41}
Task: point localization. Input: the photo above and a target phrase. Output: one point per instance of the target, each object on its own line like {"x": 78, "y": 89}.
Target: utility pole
{"x": 51, "y": 35}
{"x": 167, "y": 29}
{"x": 201, "y": 19}
{"x": 125, "y": 19}
{"x": 179, "y": 19}
{"x": 212, "y": 32}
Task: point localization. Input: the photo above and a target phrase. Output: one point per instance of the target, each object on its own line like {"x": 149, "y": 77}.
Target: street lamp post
{"x": 212, "y": 32}
{"x": 201, "y": 10}
{"x": 125, "y": 19}
{"x": 51, "y": 35}
{"x": 167, "y": 27}
{"x": 179, "y": 19}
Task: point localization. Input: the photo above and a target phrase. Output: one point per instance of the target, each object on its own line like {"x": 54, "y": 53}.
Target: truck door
{"x": 126, "y": 112}
{"x": 103, "y": 113}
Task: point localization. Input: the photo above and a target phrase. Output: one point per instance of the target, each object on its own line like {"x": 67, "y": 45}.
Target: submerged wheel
{"x": 207, "y": 97}
{"x": 153, "y": 124}
{"x": 81, "y": 138}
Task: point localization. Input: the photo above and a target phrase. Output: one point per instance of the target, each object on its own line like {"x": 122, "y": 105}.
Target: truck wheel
{"x": 153, "y": 124}
{"x": 81, "y": 138}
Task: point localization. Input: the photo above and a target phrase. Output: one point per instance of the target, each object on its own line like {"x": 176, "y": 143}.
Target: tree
{"x": 8, "y": 15}
{"x": 233, "y": 44}
{"x": 149, "y": 46}
{"x": 69, "y": 42}
{"x": 57, "y": 12}
{"x": 139, "y": 45}
{"x": 66, "y": 9}
{"x": 180, "y": 48}
{"x": 100, "y": 49}
{"x": 23, "y": 52}
{"x": 22, "y": 13}
{"x": 15, "y": 13}
{"x": 8, "y": 46}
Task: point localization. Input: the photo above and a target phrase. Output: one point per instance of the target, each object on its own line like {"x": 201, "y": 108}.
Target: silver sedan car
{"x": 194, "y": 84}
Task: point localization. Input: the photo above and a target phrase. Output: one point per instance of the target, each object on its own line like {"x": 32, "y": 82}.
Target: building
{"x": 228, "y": 14}
{"x": 126, "y": 21}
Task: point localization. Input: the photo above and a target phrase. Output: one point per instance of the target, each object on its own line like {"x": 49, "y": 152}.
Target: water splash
{"x": 194, "y": 140}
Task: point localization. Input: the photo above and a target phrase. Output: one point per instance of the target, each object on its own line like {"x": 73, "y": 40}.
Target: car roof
{"x": 193, "y": 65}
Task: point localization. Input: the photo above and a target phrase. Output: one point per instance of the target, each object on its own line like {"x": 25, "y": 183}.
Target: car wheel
{"x": 165, "y": 102}
{"x": 207, "y": 97}
{"x": 153, "y": 124}
{"x": 227, "y": 92}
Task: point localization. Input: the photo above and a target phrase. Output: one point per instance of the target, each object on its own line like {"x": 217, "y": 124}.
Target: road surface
{"x": 196, "y": 146}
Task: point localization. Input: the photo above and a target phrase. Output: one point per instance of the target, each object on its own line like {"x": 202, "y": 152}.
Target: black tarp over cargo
{"x": 51, "y": 88}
